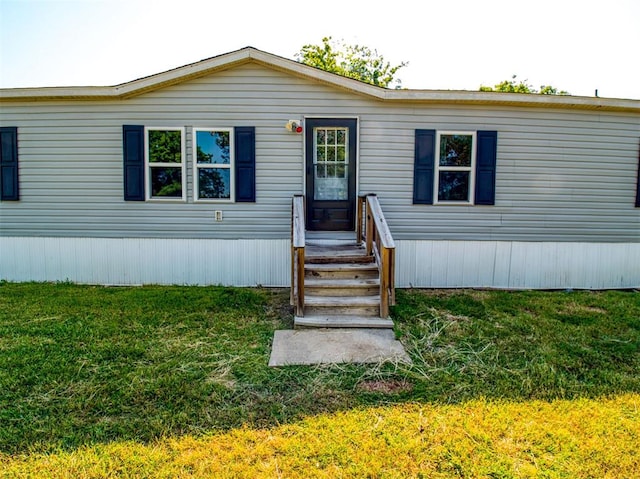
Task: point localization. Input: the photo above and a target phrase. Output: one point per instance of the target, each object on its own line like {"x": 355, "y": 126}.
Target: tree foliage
{"x": 521, "y": 86}
{"x": 211, "y": 184}
{"x": 165, "y": 146}
{"x": 352, "y": 61}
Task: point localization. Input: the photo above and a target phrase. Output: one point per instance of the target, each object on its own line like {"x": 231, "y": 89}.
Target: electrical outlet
{"x": 218, "y": 215}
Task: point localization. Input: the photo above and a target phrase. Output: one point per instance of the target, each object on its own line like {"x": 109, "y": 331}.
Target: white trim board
{"x": 246, "y": 262}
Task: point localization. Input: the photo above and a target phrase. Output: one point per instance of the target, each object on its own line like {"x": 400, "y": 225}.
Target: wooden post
{"x": 297, "y": 254}
{"x": 293, "y": 266}
{"x": 369, "y": 224}
{"x": 300, "y": 286}
{"x": 392, "y": 276}
{"x": 359, "y": 218}
{"x": 293, "y": 276}
{"x": 384, "y": 283}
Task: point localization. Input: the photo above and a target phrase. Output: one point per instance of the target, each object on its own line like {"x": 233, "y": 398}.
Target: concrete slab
{"x": 330, "y": 346}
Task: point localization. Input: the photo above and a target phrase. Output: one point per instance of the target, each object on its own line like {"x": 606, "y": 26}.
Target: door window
{"x": 330, "y": 162}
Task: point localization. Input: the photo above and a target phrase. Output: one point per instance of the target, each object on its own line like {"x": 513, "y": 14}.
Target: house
{"x": 187, "y": 177}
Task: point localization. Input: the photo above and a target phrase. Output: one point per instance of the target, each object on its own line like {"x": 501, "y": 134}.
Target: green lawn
{"x": 84, "y": 367}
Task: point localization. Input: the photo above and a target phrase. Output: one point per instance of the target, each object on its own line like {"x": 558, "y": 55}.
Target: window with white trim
{"x": 213, "y": 164}
{"x": 165, "y": 164}
{"x": 455, "y": 167}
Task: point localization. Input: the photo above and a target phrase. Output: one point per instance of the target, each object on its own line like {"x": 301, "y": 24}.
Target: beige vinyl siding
{"x": 562, "y": 175}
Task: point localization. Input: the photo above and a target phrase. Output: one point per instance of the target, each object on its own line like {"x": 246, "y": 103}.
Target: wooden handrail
{"x": 373, "y": 229}
{"x": 297, "y": 254}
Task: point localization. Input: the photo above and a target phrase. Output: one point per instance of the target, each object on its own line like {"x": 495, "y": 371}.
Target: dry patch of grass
{"x": 580, "y": 438}
{"x": 388, "y": 386}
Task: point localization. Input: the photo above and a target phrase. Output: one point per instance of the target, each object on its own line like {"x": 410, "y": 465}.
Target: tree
{"x": 211, "y": 184}
{"x": 521, "y": 86}
{"x": 165, "y": 146}
{"x": 213, "y": 148}
{"x": 352, "y": 61}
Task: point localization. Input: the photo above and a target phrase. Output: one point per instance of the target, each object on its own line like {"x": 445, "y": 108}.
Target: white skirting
{"x": 424, "y": 264}
{"x": 133, "y": 261}
{"x": 517, "y": 265}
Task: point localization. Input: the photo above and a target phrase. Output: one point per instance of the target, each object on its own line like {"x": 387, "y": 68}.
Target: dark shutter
{"x": 638, "y": 183}
{"x": 9, "y": 164}
{"x": 245, "y": 168}
{"x": 423, "y": 165}
{"x": 486, "y": 167}
{"x": 133, "y": 154}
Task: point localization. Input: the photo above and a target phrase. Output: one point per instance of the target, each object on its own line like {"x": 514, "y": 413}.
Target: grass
{"x": 171, "y": 381}
{"x": 498, "y": 439}
{"x": 521, "y": 345}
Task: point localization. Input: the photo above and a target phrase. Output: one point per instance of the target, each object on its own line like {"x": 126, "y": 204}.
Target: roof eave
{"x": 250, "y": 54}
{"x": 512, "y": 99}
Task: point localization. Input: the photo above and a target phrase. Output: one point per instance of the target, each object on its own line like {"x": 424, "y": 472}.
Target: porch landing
{"x": 330, "y": 346}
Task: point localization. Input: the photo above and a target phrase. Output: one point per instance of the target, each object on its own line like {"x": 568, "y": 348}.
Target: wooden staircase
{"x": 340, "y": 284}
{"x": 342, "y": 288}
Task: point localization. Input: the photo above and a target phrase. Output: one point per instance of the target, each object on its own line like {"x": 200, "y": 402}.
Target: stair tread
{"x": 342, "y": 321}
{"x": 313, "y": 300}
{"x": 352, "y": 259}
{"x": 336, "y": 283}
{"x": 338, "y": 266}
{"x": 344, "y": 248}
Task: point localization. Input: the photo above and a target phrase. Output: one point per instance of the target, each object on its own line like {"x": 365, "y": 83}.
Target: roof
{"x": 250, "y": 54}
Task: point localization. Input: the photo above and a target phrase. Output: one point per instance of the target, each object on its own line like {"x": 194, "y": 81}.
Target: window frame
{"x": 471, "y": 168}
{"x": 231, "y": 166}
{"x": 148, "y": 165}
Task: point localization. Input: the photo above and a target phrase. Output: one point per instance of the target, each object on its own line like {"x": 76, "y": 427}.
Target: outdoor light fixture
{"x": 294, "y": 126}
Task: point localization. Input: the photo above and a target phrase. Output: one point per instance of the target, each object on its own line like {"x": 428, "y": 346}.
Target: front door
{"x": 331, "y": 146}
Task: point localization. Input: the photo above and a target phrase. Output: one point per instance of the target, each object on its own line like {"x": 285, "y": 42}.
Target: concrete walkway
{"x": 329, "y": 346}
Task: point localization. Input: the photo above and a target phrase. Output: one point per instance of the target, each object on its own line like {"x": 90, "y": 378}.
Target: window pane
{"x": 321, "y": 170}
{"x": 341, "y": 137}
{"x": 214, "y": 183}
{"x": 331, "y": 153}
{"x": 165, "y": 146}
{"x": 340, "y": 156}
{"x": 453, "y": 186}
{"x": 455, "y": 150}
{"x": 213, "y": 147}
{"x": 321, "y": 155}
{"x": 166, "y": 182}
{"x": 331, "y": 137}
{"x": 330, "y": 189}
{"x": 320, "y": 136}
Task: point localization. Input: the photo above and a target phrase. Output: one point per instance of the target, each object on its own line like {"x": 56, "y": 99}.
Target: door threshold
{"x": 328, "y": 237}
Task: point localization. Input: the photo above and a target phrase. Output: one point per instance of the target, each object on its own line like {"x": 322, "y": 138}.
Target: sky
{"x": 574, "y": 45}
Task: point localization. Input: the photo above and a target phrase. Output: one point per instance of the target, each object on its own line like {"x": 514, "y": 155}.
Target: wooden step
{"x": 342, "y": 270}
{"x": 334, "y": 259}
{"x": 341, "y": 287}
{"x": 334, "y": 250}
{"x": 342, "y": 305}
{"x": 337, "y": 321}
{"x": 351, "y": 253}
